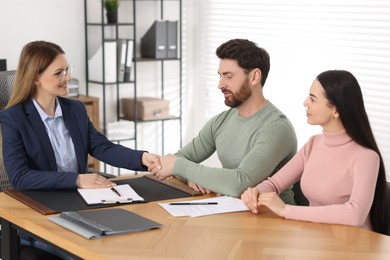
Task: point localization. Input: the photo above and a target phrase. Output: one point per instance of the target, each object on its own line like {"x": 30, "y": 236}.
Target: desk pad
{"x": 54, "y": 201}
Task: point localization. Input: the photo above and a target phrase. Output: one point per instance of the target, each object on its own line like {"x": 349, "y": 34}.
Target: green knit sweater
{"x": 249, "y": 149}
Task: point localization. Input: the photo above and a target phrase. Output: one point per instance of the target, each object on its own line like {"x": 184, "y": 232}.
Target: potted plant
{"x": 111, "y": 7}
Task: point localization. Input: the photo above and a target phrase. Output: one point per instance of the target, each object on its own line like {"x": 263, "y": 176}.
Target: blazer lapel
{"x": 39, "y": 128}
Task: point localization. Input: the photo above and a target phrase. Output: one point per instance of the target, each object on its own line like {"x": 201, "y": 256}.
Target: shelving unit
{"x": 159, "y": 78}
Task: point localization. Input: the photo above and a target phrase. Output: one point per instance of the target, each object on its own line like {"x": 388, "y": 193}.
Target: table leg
{"x": 9, "y": 241}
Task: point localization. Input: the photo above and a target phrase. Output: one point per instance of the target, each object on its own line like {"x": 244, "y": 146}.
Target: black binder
{"x": 160, "y": 41}
{"x": 106, "y": 222}
{"x": 148, "y": 187}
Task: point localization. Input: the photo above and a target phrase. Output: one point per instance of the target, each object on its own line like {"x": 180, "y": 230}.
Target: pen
{"x": 116, "y": 192}
{"x": 193, "y": 203}
{"x": 128, "y": 200}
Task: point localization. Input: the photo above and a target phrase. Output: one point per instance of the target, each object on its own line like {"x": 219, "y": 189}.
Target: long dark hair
{"x": 340, "y": 85}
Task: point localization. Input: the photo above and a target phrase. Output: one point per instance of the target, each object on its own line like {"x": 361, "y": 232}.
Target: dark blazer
{"x": 29, "y": 157}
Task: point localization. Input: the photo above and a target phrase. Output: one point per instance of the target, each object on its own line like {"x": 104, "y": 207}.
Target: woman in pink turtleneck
{"x": 341, "y": 171}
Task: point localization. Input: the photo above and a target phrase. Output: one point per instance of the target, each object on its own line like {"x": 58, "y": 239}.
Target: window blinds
{"x": 304, "y": 38}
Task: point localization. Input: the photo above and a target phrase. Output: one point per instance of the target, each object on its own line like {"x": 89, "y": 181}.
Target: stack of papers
{"x": 197, "y": 208}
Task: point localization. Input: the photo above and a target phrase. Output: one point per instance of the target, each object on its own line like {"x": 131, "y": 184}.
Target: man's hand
{"x": 166, "y": 169}
{"x": 196, "y": 187}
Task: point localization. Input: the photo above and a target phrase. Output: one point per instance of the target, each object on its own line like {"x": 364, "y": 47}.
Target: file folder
{"x": 128, "y": 59}
{"x": 160, "y": 41}
{"x": 106, "y": 222}
{"x": 122, "y": 47}
{"x": 153, "y": 43}
{"x": 125, "y": 59}
{"x": 171, "y": 39}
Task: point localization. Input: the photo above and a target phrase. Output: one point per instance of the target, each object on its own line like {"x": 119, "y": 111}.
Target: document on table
{"x": 123, "y": 193}
{"x": 106, "y": 222}
{"x": 197, "y": 208}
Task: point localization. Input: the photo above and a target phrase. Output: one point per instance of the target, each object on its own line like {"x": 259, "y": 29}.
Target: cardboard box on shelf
{"x": 148, "y": 108}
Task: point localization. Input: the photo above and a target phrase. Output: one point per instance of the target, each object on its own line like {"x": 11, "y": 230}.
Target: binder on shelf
{"x": 171, "y": 39}
{"x": 153, "y": 43}
{"x": 107, "y": 222}
{"x": 95, "y": 63}
{"x": 160, "y": 41}
{"x": 122, "y": 46}
{"x": 128, "y": 59}
{"x": 125, "y": 59}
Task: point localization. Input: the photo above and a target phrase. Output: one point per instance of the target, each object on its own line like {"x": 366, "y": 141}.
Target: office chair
{"x": 4, "y": 182}
{"x": 6, "y": 84}
{"x": 387, "y": 211}
{"x": 299, "y": 198}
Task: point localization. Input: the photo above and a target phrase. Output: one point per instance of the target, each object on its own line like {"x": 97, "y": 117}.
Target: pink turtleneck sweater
{"x": 338, "y": 177}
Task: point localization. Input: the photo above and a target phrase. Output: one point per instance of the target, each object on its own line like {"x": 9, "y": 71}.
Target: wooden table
{"x": 240, "y": 235}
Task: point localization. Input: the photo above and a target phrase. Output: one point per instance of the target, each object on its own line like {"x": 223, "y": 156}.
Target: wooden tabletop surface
{"x": 241, "y": 235}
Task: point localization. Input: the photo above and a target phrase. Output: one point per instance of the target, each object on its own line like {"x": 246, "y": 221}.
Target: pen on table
{"x": 128, "y": 200}
{"x": 193, "y": 203}
{"x": 116, "y": 192}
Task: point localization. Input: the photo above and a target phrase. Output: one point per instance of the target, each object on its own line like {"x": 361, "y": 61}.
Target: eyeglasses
{"x": 66, "y": 72}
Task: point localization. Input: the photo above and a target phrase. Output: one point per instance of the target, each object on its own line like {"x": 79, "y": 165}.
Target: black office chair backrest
{"x": 4, "y": 181}
{"x": 299, "y": 198}
{"x": 387, "y": 211}
{"x": 6, "y": 84}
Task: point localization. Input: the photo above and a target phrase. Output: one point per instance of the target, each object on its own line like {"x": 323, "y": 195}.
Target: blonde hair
{"x": 34, "y": 59}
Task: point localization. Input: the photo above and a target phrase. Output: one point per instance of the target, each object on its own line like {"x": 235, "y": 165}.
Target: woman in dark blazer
{"x": 47, "y": 137}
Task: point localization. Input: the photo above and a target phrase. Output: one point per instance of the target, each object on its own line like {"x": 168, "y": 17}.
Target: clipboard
{"x": 123, "y": 193}
{"x": 148, "y": 187}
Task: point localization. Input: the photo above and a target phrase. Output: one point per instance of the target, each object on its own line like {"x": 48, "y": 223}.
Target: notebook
{"x": 105, "y": 222}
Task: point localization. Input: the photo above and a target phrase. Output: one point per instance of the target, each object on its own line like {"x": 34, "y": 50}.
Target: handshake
{"x": 160, "y": 166}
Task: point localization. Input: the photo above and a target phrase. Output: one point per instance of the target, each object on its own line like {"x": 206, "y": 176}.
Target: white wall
{"x": 62, "y": 22}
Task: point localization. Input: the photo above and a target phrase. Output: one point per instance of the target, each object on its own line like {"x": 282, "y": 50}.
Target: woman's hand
{"x": 272, "y": 201}
{"x": 251, "y": 199}
{"x": 166, "y": 169}
{"x": 93, "y": 181}
{"x": 152, "y": 161}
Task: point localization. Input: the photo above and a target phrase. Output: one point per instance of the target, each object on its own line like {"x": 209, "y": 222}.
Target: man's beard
{"x": 241, "y": 96}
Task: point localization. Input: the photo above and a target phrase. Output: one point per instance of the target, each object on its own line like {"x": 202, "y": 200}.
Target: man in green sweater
{"x": 253, "y": 139}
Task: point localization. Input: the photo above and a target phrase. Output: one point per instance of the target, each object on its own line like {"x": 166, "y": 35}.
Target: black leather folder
{"x": 53, "y": 201}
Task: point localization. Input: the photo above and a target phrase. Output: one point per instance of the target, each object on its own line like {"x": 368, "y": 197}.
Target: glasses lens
{"x": 69, "y": 70}
{"x": 66, "y": 72}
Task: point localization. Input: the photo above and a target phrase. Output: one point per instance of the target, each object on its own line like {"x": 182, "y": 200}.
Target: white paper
{"x": 225, "y": 204}
{"x": 96, "y": 196}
